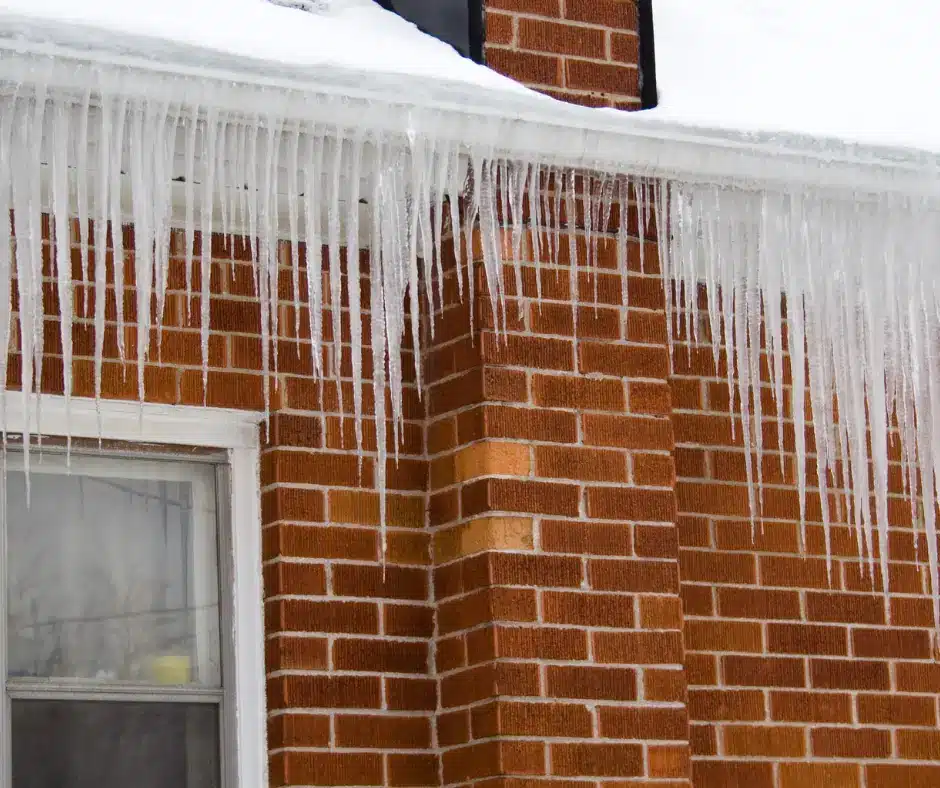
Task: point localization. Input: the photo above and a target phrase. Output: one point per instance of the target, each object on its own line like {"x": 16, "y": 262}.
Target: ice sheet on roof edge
{"x": 860, "y": 278}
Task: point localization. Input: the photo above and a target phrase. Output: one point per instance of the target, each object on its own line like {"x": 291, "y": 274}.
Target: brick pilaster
{"x": 558, "y": 642}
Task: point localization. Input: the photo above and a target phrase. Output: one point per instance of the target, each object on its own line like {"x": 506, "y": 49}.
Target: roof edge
{"x": 520, "y": 125}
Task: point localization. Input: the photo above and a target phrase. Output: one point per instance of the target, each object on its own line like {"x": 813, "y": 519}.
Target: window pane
{"x": 113, "y": 571}
{"x": 87, "y": 744}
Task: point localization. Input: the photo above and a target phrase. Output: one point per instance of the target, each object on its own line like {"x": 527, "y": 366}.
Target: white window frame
{"x": 236, "y": 433}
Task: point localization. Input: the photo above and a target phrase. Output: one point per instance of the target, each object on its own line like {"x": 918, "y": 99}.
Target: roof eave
{"x": 515, "y": 125}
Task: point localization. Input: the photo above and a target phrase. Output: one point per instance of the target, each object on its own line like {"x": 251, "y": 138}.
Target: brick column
{"x": 559, "y": 647}
{"x": 349, "y": 697}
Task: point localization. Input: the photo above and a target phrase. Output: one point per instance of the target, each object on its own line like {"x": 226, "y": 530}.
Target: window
{"x": 124, "y": 580}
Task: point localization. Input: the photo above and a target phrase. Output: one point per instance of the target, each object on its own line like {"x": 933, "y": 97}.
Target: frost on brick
{"x": 845, "y": 289}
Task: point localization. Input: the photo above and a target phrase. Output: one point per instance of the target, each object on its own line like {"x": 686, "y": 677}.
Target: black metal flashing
{"x": 455, "y": 22}
{"x": 649, "y": 95}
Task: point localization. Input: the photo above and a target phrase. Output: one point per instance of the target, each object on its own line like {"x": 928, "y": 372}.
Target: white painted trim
{"x": 180, "y": 425}
{"x": 118, "y": 420}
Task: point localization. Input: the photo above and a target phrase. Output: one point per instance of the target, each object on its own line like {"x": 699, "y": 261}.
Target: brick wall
{"x": 793, "y": 681}
{"x": 582, "y": 51}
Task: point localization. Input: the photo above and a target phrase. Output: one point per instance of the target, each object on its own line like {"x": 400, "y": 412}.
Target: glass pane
{"x": 87, "y": 744}
{"x": 113, "y": 571}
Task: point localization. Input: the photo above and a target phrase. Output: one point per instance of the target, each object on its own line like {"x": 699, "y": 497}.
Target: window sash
{"x": 205, "y": 551}
{"x": 236, "y": 434}
{"x": 206, "y": 496}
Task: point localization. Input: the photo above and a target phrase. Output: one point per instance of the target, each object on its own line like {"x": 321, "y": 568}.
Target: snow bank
{"x": 855, "y": 71}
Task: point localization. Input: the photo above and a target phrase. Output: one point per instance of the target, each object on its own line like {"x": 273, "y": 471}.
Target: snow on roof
{"x": 351, "y": 34}
{"x": 861, "y": 71}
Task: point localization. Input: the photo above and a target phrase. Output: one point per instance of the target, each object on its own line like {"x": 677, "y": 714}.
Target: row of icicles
{"x": 858, "y": 277}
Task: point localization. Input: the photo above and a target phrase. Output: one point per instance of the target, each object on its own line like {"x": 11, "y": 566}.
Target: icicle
{"x": 63, "y": 258}
{"x": 190, "y": 177}
{"x": 209, "y": 145}
{"x": 571, "y": 227}
{"x": 536, "y": 197}
{"x": 103, "y": 176}
{"x": 379, "y": 329}
{"x": 354, "y": 283}
{"x": 84, "y": 114}
{"x": 336, "y": 282}
{"x": 440, "y": 187}
{"x": 454, "y": 189}
{"x": 293, "y": 164}
{"x": 7, "y": 114}
{"x": 117, "y": 223}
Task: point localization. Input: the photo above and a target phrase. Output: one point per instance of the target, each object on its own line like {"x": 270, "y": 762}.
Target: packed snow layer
{"x": 351, "y": 34}
{"x": 862, "y": 72}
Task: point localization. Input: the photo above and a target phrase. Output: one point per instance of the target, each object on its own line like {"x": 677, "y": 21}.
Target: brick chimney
{"x": 582, "y": 51}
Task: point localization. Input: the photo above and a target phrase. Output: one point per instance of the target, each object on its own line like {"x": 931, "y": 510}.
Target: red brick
{"x": 896, "y": 775}
{"x": 627, "y": 432}
{"x": 763, "y": 672}
{"x": 321, "y": 691}
{"x": 585, "y": 538}
{"x": 897, "y": 643}
{"x": 758, "y": 603}
{"x": 638, "y": 648}
{"x": 608, "y": 13}
{"x": 636, "y": 576}
{"x": 306, "y": 616}
{"x": 589, "y": 75}
{"x": 412, "y": 769}
{"x": 548, "y": 8}
{"x": 515, "y": 495}
{"x": 908, "y": 710}
{"x": 578, "y": 393}
{"x": 544, "y": 36}
{"x": 918, "y": 677}
{"x": 731, "y": 774}
{"x": 768, "y": 741}
{"x": 597, "y": 760}
{"x": 551, "y": 643}
{"x": 380, "y": 656}
{"x": 921, "y": 745}
{"x": 625, "y": 361}
{"x": 810, "y": 707}
{"x": 643, "y": 722}
{"x": 582, "y": 464}
{"x": 851, "y": 743}
{"x": 624, "y": 503}
{"x": 399, "y": 732}
{"x": 407, "y": 694}
{"x": 332, "y": 768}
{"x": 797, "y": 775}
{"x": 845, "y": 608}
{"x": 542, "y": 719}
{"x": 499, "y": 28}
{"x": 711, "y": 567}
{"x": 702, "y": 635}
{"x": 604, "y": 610}
{"x": 807, "y": 639}
{"x": 738, "y": 705}
{"x": 591, "y": 683}
{"x": 299, "y": 730}
{"x": 849, "y": 674}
